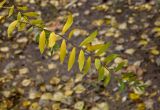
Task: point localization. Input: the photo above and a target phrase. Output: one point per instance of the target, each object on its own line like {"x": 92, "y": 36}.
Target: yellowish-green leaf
{"x": 71, "y": 33}
{"x": 110, "y": 58}
{"x": 23, "y": 8}
{"x": 97, "y": 63}
{"x": 42, "y": 41}
{"x": 103, "y": 48}
{"x": 71, "y": 58}
{"x": 62, "y": 51}
{"x": 156, "y": 29}
{"x": 11, "y": 27}
{"x": 107, "y": 77}
{"x": 81, "y": 60}
{"x": 89, "y": 39}
{"x": 2, "y": 3}
{"x": 94, "y": 47}
{"x": 67, "y": 24}
{"x": 87, "y": 65}
{"x": 52, "y": 40}
{"x": 21, "y": 26}
{"x": 31, "y": 14}
{"x": 19, "y": 16}
{"x": 11, "y": 11}
{"x": 120, "y": 66}
{"x": 36, "y": 22}
{"x": 101, "y": 73}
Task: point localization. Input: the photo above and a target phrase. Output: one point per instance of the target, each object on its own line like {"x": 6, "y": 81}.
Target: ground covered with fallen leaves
{"x": 31, "y": 81}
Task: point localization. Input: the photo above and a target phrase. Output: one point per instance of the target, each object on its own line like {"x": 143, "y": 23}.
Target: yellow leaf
{"x": 71, "y": 58}
{"x": 52, "y": 40}
{"x": 63, "y": 51}
{"x": 71, "y": 33}
{"x": 89, "y": 38}
{"x": 11, "y": 11}
{"x": 67, "y": 24}
{"x": 88, "y": 65}
{"x": 81, "y": 60}
{"x": 134, "y": 96}
{"x": 42, "y": 41}
{"x": 2, "y": 3}
{"x": 11, "y": 27}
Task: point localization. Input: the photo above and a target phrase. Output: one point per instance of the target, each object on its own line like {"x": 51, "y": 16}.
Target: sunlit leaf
{"x": 97, "y": 63}
{"x": 52, "y": 40}
{"x": 71, "y": 58}
{"x": 67, "y": 24}
{"x": 11, "y": 27}
{"x": 62, "y": 51}
{"x": 110, "y": 58}
{"x": 103, "y": 48}
{"x": 81, "y": 60}
{"x": 11, "y": 11}
{"x": 42, "y": 41}
{"x": 31, "y": 14}
{"x": 2, "y": 3}
{"x": 101, "y": 73}
{"x": 89, "y": 39}
{"x": 87, "y": 65}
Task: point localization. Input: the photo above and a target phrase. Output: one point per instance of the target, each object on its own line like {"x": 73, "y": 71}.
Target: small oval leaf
{"x": 89, "y": 39}
{"x": 110, "y": 58}
{"x": 42, "y": 41}
{"x": 101, "y": 73}
{"x": 52, "y": 40}
{"x": 11, "y": 11}
{"x": 11, "y": 27}
{"x": 97, "y": 63}
{"x": 67, "y": 24}
{"x": 2, "y": 3}
{"x": 81, "y": 60}
{"x": 103, "y": 49}
{"x": 62, "y": 51}
{"x": 71, "y": 58}
{"x": 88, "y": 65}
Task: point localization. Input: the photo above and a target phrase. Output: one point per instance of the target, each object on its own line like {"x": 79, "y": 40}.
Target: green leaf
{"x": 101, "y": 73}
{"x": 81, "y": 60}
{"x": 36, "y": 22}
{"x": 42, "y": 41}
{"x": 97, "y": 63}
{"x": 89, "y": 39}
{"x": 52, "y": 40}
{"x": 120, "y": 66}
{"x": 71, "y": 58}
{"x": 62, "y": 51}
{"x": 107, "y": 77}
{"x": 2, "y": 3}
{"x": 11, "y": 27}
{"x": 31, "y": 14}
{"x": 11, "y": 11}
{"x": 103, "y": 49}
{"x": 87, "y": 66}
{"x": 110, "y": 58}
{"x": 94, "y": 47}
{"x": 19, "y": 16}
{"x": 23, "y": 8}
{"x": 67, "y": 24}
